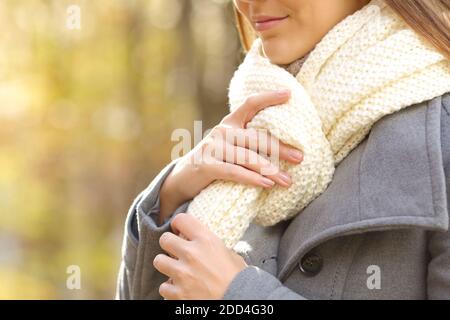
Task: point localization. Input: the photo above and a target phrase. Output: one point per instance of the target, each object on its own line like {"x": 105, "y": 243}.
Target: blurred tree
{"x": 85, "y": 123}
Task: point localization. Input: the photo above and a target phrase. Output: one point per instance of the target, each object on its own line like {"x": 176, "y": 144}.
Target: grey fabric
{"x": 137, "y": 277}
{"x": 439, "y": 245}
{"x": 387, "y": 207}
{"x": 254, "y": 283}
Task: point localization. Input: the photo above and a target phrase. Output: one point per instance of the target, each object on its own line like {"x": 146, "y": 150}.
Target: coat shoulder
{"x": 445, "y": 132}
{"x": 432, "y": 117}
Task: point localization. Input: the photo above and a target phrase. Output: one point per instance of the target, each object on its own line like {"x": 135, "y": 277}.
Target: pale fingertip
{"x": 283, "y": 93}
{"x": 295, "y": 156}
{"x": 267, "y": 183}
{"x": 156, "y": 261}
{"x": 285, "y": 177}
{"x": 163, "y": 289}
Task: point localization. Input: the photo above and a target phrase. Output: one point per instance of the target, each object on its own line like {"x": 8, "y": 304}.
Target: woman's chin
{"x": 280, "y": 52}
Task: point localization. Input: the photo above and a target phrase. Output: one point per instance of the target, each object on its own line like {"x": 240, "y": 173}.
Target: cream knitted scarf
{"x": 368, "y": 66}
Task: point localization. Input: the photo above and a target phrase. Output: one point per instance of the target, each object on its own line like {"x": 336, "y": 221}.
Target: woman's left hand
{"x": 200, "y": 266}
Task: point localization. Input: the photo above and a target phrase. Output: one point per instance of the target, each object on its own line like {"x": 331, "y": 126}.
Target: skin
{"x": 198, "y": 264}
{"x": 307, "y": 23}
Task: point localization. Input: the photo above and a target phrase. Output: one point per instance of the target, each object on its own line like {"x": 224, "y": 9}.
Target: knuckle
{"x": 203, "y": 238}
{"x": 219, "y": 130}
{"x": 216, "y": 136}
{"x": 185, "y": 275}
{"x": 178, "y": 270}
{"x": 227, "y": 119}
{"x": 230, "y": 172}
{"x": 250, "y": 100}
{"x": 190, "y": 255}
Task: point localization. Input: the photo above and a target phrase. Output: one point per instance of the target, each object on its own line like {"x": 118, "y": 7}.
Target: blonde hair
{"x": 429, "y": 18}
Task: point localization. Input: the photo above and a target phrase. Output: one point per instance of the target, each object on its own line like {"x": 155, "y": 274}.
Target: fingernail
{"x": 285, "y": 178}
{"x": 283, "y": 93}
{"x": 267, "y": 182}
{"x": 296, "y": 155}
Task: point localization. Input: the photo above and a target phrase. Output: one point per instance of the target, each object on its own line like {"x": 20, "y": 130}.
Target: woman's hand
{"x": 200, "y": 266}
{"x": 235, "y": 156}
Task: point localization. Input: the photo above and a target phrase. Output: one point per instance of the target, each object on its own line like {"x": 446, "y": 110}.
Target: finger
{"x": 231, "y": 172}
{"x": 257, "y": 163}
{"x": 168, "y": 291}
{"x": 189, "y": 226}
{"x": 173, "y": 244}
{"x": 167, "y": 265}
{"x": 262, "y": 142}
{"x": 258, "y": 102}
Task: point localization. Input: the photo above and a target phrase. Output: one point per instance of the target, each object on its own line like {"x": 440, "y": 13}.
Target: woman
{"x": 379, "y": 231}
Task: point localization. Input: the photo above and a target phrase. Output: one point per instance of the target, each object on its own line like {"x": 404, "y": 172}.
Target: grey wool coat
{"x": 380, "y": 230}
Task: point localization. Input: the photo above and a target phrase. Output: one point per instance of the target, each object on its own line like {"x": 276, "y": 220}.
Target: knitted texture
{"x": 368, "y": 66}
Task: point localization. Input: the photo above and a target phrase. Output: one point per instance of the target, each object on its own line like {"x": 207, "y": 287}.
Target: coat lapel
{"x": 394, "y": 179}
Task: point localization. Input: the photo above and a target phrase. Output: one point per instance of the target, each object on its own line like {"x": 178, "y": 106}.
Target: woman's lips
{"x": 263, "y": 23}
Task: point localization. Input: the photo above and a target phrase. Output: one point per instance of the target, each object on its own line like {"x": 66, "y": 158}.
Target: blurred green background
{"x": 86, "y": 117}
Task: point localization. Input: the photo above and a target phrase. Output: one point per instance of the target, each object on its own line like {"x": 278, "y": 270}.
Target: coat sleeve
{"x": 439, "y": 244}
{"x": 254, "y": 283}
{"x": 137, "y": 278}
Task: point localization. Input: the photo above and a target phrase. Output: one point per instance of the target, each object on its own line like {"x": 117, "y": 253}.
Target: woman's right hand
{"x": 229, "y": 152}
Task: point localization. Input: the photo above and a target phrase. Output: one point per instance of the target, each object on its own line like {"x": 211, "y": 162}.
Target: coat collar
{"x": 394, "y": 179}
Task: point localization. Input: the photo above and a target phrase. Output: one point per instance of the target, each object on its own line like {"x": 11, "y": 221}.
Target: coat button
{"x": 311, "y": 264}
